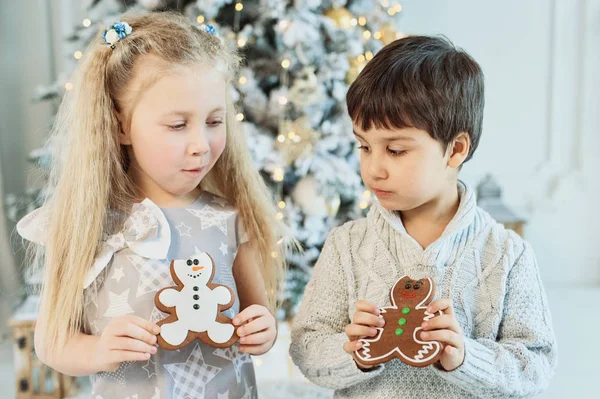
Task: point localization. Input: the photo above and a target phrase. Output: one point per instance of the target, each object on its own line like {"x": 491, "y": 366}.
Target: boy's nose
{"x": 377, "y": 170}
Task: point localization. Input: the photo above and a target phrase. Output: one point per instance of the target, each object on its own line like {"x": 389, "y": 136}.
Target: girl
{"x": 152, "y": 168}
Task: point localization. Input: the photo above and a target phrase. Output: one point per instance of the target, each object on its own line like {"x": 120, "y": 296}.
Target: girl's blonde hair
{"x": 89, "y": 175}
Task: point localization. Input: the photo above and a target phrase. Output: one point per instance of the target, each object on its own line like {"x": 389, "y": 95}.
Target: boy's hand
{"x": 363, "y": 324}
{"x": 444, "y": 328}
{"x": 258, "y": 335}
{"x": 125, "y": 338}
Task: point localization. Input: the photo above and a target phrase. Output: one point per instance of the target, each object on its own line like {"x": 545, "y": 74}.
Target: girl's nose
{"x": 199, "y": 144}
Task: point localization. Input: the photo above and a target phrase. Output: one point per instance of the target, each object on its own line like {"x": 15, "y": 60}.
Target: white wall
{"x": 541, "y": 125}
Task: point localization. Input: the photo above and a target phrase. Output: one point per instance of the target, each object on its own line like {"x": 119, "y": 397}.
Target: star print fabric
{"x": 128, "y": 285}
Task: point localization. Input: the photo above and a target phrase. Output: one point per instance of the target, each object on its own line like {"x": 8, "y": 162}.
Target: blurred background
{"x": 536, "y": 168}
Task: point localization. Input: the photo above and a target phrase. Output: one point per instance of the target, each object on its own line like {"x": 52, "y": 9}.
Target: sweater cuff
{"x": 341, "y": 365}
{"x": 478, "y": 367}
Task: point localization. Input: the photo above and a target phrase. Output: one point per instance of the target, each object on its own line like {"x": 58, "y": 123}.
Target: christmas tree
{"x": 300, "y": 56}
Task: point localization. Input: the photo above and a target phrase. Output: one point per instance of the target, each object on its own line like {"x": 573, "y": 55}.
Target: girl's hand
{"x": 364, "y": 323}
{"x": 258, "y": 329}
{"x": 445, "y": 328}
{"x": 125, "y": 338}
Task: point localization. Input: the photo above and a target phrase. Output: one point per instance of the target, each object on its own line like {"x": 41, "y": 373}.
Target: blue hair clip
{"x": 117, "y": 31}
{"x": 209, "y": 29}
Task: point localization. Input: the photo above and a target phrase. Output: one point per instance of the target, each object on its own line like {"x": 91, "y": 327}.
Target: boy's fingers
{"x": 368, "y": 319}
{"x": 352, "y": 346}
{"x": 366, "y": 306}
{"x": 256, "y": 339}
{"x": 355, "y": 330}
{"x": 444, "y": 305}
{"x": 447, "y": 336}
{"x": 445, "y": 321}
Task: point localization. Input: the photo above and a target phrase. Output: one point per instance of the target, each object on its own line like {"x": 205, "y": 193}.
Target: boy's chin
{"x": 394, "y": 205}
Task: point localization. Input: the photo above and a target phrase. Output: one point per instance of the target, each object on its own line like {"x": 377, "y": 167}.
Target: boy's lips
{"x": 381, "y": 193}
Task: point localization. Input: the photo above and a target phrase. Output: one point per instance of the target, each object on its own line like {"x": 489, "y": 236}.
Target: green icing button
{"x": 405, "y": 310}
{"x": 402, "y": 321}
{"x": 399, "y": 331}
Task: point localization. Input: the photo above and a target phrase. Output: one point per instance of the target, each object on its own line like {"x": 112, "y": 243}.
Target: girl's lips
{"x": 196, "y": 171}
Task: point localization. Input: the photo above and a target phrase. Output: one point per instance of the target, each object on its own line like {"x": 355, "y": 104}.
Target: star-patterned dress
{"x": 128, "y": 283}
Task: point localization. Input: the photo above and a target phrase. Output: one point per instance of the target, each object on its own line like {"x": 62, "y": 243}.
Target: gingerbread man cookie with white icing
{"x": 195, "y": 306}
{"x": 400, "y": 337}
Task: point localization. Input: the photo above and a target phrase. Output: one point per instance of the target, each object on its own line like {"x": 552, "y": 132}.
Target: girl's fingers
{"x": 143, "y": 323}
{"x": 132, "y": 345}
{"x": 260, "y": 324}
{"x": 355, "y": 330}
{"x": 254, "y": 349}
{"x": 136, "y": 332}
{"x": 368, "y": 307}
{"x": 119, "y": 356}
{"x": 252, "y": 311}
{"x": 444, "y": 305}
{"x": 443, "y": 322}
{"x": 257, "y": 339}
{"x": 447, "y": 336}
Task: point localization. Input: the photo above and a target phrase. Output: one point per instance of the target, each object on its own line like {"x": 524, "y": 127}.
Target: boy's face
{"x": 405, "y": 168}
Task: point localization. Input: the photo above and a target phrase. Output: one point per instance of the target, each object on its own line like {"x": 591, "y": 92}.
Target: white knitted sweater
{"x": 490, "y": 274}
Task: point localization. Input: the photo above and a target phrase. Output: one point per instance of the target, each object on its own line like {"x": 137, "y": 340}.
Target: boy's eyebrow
{"x": 405, "y": 138}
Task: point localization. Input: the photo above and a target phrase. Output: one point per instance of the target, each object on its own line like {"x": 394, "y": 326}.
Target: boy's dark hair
{"x": 423, "y": 82}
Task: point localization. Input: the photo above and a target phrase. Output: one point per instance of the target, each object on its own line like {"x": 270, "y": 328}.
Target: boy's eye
{"x": 215, "y": 123}
{"x": 396, "y": 152}
{"x": 363, "y": 148}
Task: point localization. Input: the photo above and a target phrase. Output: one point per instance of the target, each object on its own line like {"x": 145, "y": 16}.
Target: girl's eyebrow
{"x": 189, "y": 113}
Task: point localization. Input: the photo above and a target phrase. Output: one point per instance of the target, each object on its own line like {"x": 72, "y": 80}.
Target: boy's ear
{"x": 459, "y": 150}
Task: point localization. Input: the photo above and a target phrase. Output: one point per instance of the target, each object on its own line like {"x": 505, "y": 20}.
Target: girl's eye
{"x": 215, "y": 123}
{"x": 396, "y": 153}
{"x": 363, "y": 148}
{"x": 179, "y": 126}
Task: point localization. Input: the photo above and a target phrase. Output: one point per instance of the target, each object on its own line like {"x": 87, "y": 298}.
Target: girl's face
{"x": 177, "y": 128}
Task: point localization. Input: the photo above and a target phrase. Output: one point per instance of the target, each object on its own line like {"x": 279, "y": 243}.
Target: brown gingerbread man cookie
{"x": 400, "y": 337}
{"x": 195, "y": 306}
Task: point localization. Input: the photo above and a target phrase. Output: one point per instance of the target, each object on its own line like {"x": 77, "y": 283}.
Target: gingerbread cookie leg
{"x": 220, "y": 333}
{"x": 174, "y": 333}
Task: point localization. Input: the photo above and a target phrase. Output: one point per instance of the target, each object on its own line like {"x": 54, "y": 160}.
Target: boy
{"x": 417, "y": 110}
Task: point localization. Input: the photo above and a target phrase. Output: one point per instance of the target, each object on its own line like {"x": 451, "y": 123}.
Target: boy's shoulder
{"x": 499, "y": 238}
